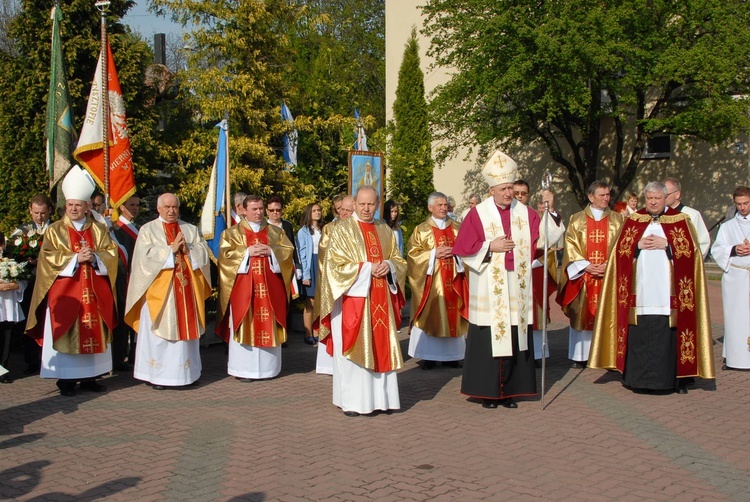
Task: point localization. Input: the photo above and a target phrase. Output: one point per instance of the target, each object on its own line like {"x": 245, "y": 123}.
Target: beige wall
{"x": 708, "y": 174}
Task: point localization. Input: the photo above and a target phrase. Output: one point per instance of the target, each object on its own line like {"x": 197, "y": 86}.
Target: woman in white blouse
{"x": 308, "y": 240}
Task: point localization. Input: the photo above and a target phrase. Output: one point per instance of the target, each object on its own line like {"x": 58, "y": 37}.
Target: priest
{"x": 72, "y": 312}
{"x": 360, "y": 309}
{"x": 497, "y": 242}
{"x": 440, "y": 292}
{"x": 732, "y": 253}
{"x": 169, "y": 284}
{"x": 652, "y": 323}
{"x": 588, "y": 245}
{"x": 255, "y": 272}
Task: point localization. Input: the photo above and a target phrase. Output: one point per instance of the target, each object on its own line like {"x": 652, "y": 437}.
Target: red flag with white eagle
{"x": 90, "y": 151}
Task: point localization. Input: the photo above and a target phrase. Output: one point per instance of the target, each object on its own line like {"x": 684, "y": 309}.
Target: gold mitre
{"x": 78, "y": 184}
{"x": 499, "y": 169}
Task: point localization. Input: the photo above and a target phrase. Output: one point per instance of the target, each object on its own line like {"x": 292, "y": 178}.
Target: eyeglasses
{"x": 520, "y": 193}
{"x": 273, "y": 210}
{"x": 348, "y": 211}
{"x": 670, "y": 193}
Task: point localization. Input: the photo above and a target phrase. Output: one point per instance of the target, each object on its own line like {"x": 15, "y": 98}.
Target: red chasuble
{"x": 597, "y": 244}
{"x": 261, "y": 293}
{"x": 182, "y": 283}
{"x": 379, "y": 295}
{"x": 455, "y": 286}
{"x": 85, "y": 298}
{"x": 684, "y": 252}
{"x": 537, "y": 278}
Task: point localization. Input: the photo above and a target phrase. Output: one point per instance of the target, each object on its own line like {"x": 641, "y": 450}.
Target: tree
{"x": 410, "y": 159}
{"x": 24, "y": 81}
{"x": 573, "y": 74}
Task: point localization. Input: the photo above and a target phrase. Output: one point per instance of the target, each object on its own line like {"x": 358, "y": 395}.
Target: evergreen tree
{"x": 410, "y": 159}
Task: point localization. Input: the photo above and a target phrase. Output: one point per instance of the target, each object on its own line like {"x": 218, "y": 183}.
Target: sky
{"x": 148, "y": 24}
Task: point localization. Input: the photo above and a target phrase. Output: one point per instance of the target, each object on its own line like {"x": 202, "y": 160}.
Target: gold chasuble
{"x": 689, "y": 299}
{"x": 370, "y": 324}
{"x": 175, "y": 295}
{"x": 82, "y": 307}
{"x": 440, "y": 300}
{"x": 259, "y": 298}
{"x": 590, "y": 240}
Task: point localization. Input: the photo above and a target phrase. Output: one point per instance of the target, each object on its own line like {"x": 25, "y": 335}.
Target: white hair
{"x": 655, "y": 186}
{"x": 159, "y": 200}
{"x": 435, "y": 196}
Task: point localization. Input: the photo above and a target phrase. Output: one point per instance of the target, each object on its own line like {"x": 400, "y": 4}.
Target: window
{"x": 658, "y": 146}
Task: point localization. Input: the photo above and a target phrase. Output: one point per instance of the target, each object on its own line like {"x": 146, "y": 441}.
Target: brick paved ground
{"x": 284, "y": 440}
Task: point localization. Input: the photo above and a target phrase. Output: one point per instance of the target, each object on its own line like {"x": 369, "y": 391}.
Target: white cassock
{"x": 323, "y": 362}
{"x": 166, "y": 362}
{"x": 73, "y": 366}
{"x": 579, "y": 341}
{"x": 356, "y": 388}
{"x": 246, "y": 361}
{"x": 434, "y": 348}
{"x": 735, "y": 291}
{"x": 701, "y": 231}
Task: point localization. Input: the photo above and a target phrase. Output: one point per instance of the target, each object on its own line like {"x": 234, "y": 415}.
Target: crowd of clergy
{"x": 111, "y": 296}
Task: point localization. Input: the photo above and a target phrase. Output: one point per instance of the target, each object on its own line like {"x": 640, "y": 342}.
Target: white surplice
{"x": 735, "y": 290}
{"x": 356, "y": 388}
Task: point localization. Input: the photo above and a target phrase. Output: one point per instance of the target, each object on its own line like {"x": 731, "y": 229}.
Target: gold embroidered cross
{"x": 260, "y": 290}
{"x": 87, "y": 297}
{"x": 519, "y": 222}
{"x": 89, "y": 320}
{"x": 85, "y": 272}
{"x": 442, "y": 241}
{"x": 597, "y": 236}
{"x": 265, "y": 337}
{"x": 90, "y": 345}
{"x": 493, "y": 229}
{"x": 262, "y": 314}
{"x": 257, "y": 267}
{"x": 597, "y": 257}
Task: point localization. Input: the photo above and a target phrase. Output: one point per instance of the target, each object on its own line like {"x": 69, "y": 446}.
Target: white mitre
{"x": 78, "y": 184}
{"x": 499, "y": 169}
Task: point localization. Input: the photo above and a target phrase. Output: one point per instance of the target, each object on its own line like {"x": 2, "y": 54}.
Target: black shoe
{"x": 509, "y": 403}
{"x": 578, "y": 365}
{"x": 245, "y": 380}
{"x": 67, "y": 388}
{"x": 681, "y": 390}
{"x": 452, "y": 364}
{"x": 158, "y": 387}
{"x": 351, "y": 413}
{"x": 93, "y": 386}
{"x": 489, "y": 403}
{"x": 122, "y": 367}
{"x": 195, "y": 384}
{"x": 31, "y": 370}
{"x": 6, "y": 378}
{"x": 428, "y": 365}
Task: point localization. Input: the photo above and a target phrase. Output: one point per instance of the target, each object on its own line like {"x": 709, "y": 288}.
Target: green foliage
{"x": 410, "y": 158}
{"x": 24, "y": 81}
{"x": 562, "y": 72}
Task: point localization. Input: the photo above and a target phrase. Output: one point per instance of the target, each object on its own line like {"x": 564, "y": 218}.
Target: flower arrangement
{"x": 11, "y": 271}
{"x": 25, "y": 246}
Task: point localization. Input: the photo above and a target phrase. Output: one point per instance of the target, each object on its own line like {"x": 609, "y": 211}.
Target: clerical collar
{"x": 253, "y": 225}
{"x": 596, "y": 213}
{"x": 679, "y": 207}
{"x": 441, "y": 223}
{"x": 356, "y": 217}
{"x": 165, "y": 221}
{"x": 78, "y": 224}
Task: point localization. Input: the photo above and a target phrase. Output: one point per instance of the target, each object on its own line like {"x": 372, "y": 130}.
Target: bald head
{"x": 168, "y": 207}
{"x": 366, "y": 202}
{"x": 346, "y": 209}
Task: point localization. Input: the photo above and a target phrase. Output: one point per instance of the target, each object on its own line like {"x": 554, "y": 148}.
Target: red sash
{"x": 455, "y": 286}
{"x": 85, "y": 298}
{"x": 260, "y": 292}
{"x": 353, "y": 307}
{"x": 184, "y": 294}
{"x": 684, "y": 252}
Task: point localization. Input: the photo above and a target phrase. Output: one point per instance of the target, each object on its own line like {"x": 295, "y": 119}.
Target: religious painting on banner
{"x": 366, "y": 168}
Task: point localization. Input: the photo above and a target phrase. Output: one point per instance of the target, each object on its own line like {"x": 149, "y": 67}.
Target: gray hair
{"x": 435, "y": 196}
{"x": 655, "y": 186}
{"x": 474, "y": 196}
{"x": 239, "y": 198}
{"x": 159, "y": 200}
{"x": 365, "y": 188}
{"x": 596, "y": 185}
{"x": 675, "y": 182}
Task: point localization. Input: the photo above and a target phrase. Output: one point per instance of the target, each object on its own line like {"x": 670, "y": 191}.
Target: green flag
{"x": 61, "y": 137}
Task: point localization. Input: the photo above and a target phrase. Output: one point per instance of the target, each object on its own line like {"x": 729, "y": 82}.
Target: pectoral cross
{"x": 89, "y": 320}
{"x": 597, "y": 236}
{"x": 257, "y": 267}
{"x": 262, "y": 314}
{"x": 90, "y": 345}
{"x": 87, "y": 297}
{"x": 260, "y": 290}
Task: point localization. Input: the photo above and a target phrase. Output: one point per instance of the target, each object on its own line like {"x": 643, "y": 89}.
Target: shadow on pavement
{"x": 249, "y": 497}
{"x": 22, "y": 479}
{"x": 14, "y": 419}
{"x": 20, "y": 440}
{"x": 99, "y": 492}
